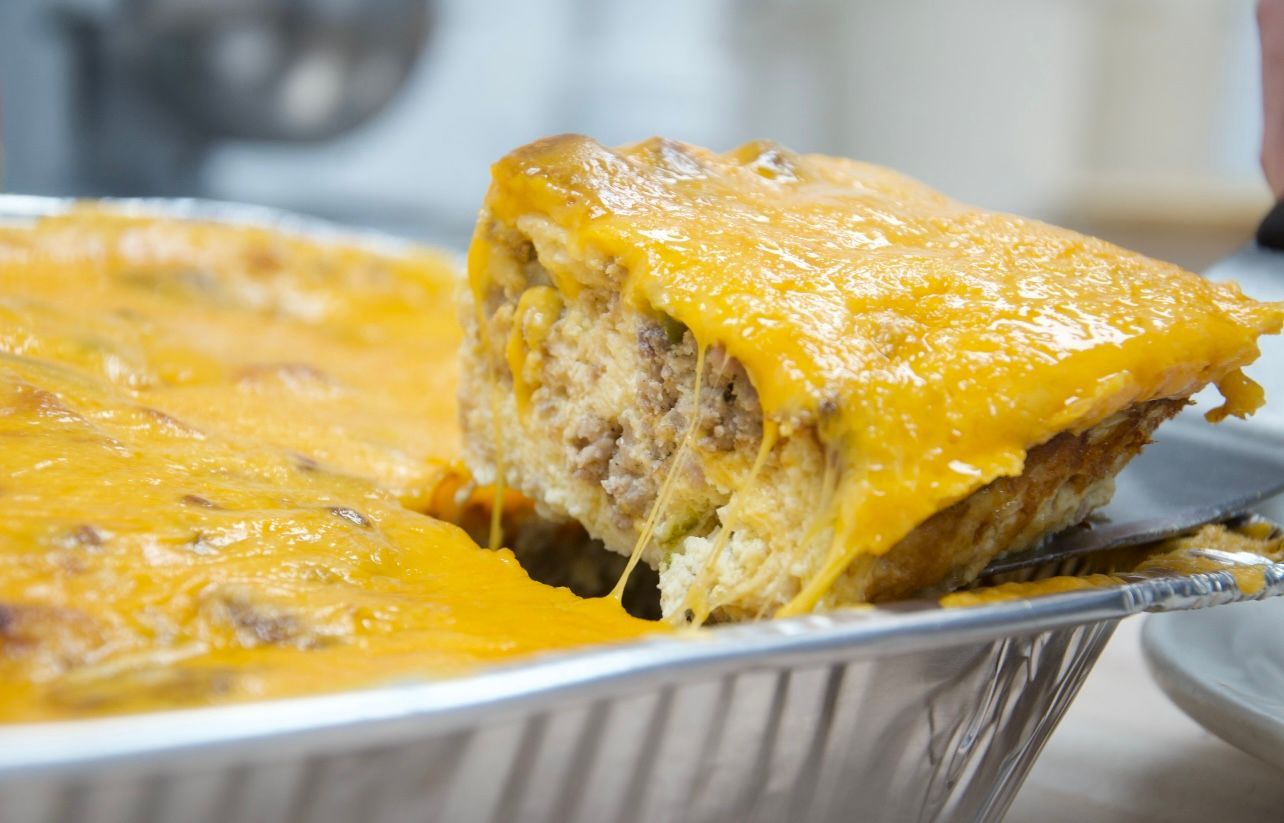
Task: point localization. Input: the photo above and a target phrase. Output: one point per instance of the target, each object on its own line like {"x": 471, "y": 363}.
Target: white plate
{"x": 1225, "y": 668}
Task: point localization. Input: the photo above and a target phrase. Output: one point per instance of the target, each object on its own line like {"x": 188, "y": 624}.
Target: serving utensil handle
{"x": 1270, "y": 232}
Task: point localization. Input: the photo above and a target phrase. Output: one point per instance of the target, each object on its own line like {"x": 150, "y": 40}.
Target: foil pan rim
{"x": 399, "y": 712}
{"x": 24, "y": 208}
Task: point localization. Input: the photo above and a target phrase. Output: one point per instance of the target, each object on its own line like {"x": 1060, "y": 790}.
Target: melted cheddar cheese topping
{"x": 216, "y": 444}
{"x": 932, "y": 343}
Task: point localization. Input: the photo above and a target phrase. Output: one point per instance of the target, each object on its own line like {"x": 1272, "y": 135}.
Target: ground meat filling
{"x": 631, "y": 483}
{"x": 593, "y": 443}
{"x": 625, "y": 453}
{"x": 729, "y": 417}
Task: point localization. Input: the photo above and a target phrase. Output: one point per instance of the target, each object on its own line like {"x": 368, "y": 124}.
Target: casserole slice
{"x": 792, "y": 382}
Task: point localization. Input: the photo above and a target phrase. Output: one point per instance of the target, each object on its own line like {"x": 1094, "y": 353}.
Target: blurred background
{"x": 1134, "y": 119}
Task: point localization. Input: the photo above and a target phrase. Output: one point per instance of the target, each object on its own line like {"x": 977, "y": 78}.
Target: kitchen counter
{"x": 1124, "y": 752}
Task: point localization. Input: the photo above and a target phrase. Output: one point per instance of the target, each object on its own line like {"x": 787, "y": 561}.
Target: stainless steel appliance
{"x": 129, "y": 96}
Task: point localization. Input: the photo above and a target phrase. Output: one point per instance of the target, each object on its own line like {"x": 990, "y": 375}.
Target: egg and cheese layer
{"x": 931, "y": 344}
{"x": 216, "y": 445}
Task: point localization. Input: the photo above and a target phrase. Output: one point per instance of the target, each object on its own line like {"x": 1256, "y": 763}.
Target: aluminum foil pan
{"x": 904, "y": 713}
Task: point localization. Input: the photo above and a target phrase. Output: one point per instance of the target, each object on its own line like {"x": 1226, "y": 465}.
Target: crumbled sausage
{"x": 593, "y": 442}
{"x": 730, "y": 416}
{"x": 258, "y": 622}
{"x": 86, "y": 535}
{"x": 631, "y": 482}
{"x": 199, "y": 501}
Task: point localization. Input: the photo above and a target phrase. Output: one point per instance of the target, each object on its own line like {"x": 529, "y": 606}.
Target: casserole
{"x": 902, "y": 712}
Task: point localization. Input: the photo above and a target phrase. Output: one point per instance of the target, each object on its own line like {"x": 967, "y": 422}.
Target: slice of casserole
{"x": 794, "y": 382}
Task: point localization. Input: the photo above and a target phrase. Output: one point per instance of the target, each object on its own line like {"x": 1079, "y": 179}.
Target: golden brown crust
{"x": 1064, "y": 479}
